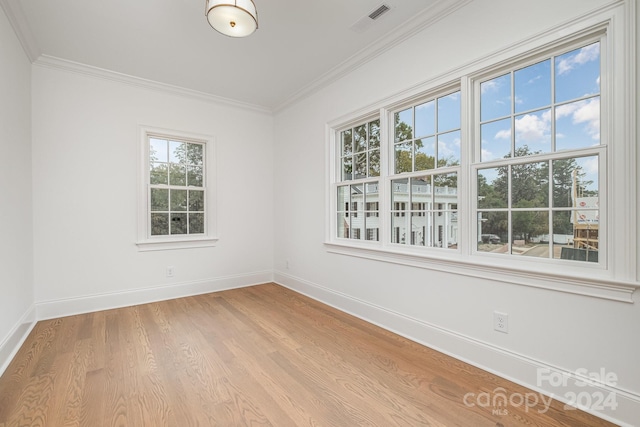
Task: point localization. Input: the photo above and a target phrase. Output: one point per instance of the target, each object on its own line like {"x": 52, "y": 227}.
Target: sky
{"x": 576, "y": 96}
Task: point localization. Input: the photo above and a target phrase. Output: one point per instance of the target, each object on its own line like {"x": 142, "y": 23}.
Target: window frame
{"x": 616, "y": 277}
{"x": 147, "y": 242}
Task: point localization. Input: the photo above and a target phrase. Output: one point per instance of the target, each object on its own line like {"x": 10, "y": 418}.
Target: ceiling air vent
{"x": 365, "y": 22}
{"x": 379, "y": 11}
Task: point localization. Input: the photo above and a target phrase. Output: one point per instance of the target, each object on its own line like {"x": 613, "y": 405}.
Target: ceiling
{"x": 300, "y": 44}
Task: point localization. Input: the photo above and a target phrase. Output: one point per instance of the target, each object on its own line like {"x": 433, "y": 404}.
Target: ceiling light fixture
{"x": 237, "y": 18}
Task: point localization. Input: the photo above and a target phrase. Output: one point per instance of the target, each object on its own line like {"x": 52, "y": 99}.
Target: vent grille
{"x": 379, "y": 11}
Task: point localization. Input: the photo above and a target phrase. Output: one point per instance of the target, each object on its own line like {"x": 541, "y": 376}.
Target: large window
{"x": 176, "y": 195}
{"x": 517, "y": 167}
{"x": 539, "y": 152}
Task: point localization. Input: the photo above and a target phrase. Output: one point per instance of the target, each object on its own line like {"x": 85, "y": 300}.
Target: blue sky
{"x": 577, "y": 113}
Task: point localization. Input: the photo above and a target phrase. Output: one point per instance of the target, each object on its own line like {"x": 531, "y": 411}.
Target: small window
{"x": 175, "y": 188}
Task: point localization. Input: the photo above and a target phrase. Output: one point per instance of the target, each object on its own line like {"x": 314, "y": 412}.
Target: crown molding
{"x": 52, "y": 62}
{"x": 16, "y": 18}
{"x": 425, "y": 19}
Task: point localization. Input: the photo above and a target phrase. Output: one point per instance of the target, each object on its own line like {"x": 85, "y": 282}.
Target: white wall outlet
{"x": 501, "y": 322}
{"x": 286, "y": 264}
{"x": 170, "y": 271}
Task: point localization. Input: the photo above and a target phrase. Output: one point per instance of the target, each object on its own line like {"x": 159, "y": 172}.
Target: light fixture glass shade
{"x": 237, "y": 18}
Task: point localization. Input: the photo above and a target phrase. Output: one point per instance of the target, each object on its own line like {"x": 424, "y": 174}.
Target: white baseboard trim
{"x": 90, "y": 303}
{"x": 536, "y": 375}
{"x": 10, "y": 345}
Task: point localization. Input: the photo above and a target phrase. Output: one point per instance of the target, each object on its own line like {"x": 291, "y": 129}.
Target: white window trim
{"x": 616, "y": 278}
{"x": 144, "y": 241}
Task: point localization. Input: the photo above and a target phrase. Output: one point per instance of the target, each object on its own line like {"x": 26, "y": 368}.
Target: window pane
{"x": 347, "y": 168}
{"x": 374, "y": 163}
{"x": 374, "y": 134}
{"x": 159, "y": 224}
{"x": 451, "y": 230}
{"x": 159, "y": 199}
{"x": 342, "y": 225}
{"x": 492, "y": 188}
{"x": 357, "y": 200}
{"x": 404, "y": 158}
{"x": 178, "y": 200}
{"x": 403, "y": 125}
{"x": 357, "y": 207}
{"x": 196, "y": 200}
{"x": 578, "y": 124}
{"x": 371, "y": 212}
{"x": 418, "y": 228}
{"x": 446, "y": 189}
{"x": 530, "y": 233}
{"x": 496, "y": 140}
{"x": 343, "y": 198}
{"x": 425, "y": 119}
{"x": 360, "y": 138}
{"x": 178, "y": 223}
{"x": 177, "y": 152}
{"x": 495, "y": 98}
{"x": 159, "y": 174}
{"x": 196, "y": 223}
{"x": 177, "y": 174}
{"x": 425, "y": 153}
{"x": 399, "y": 228}
{"x": 449, "y": 149}
{"x": 448, "y": 112}
{"x": 194, "y": 154}
{"x": 361, "y": 165}
{"x": 347, "y": 145}
{"x": 194, "y": 176}
{"x": 573, "y": 240}
{"x": 421, "y": 191}
{"x": 492, "y": 232}
{"x": 400, "y": 194}
{"x": 530, "y": 185}
{"x": 158, "y": 150}
{"x": 533, "y": 133}
{"x": 580, "y": 174}
{"x": 578, "y": 73}
{"x": 533, "y": 86}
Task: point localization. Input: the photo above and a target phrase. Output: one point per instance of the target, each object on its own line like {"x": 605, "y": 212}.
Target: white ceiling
{"x": 300, "y": 44}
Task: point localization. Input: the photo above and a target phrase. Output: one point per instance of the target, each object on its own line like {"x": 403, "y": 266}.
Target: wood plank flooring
{"x": 258, "y": 356}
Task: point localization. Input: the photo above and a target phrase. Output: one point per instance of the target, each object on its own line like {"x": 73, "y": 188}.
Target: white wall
{"x": 448, "y": 311}
{"x": 85, "y": 148}
{"x": 16, "y": 239}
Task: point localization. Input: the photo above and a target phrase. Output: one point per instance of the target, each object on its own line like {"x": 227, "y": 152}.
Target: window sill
{"x": 593, "y": 286}
{"x": 171, "y": 244}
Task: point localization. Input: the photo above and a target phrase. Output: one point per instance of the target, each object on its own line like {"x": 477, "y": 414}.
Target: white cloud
{"x": 486, "y": 155}
{"x": 533, "y": 80}
{"x": 445, "y": 151}
{"x": 532, "y": 127}
{"x": 489, "y": 86}
{"x": 584, "y": 55}
{"x": 590, "y": 165}
{"x": 585, "y": 112}
{"x": 503, "y": 134}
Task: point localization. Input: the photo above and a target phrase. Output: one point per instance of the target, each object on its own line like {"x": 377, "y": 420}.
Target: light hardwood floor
{"x": 256, "y": 356}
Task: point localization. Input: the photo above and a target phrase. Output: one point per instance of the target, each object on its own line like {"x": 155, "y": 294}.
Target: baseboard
{"x": 16, "y": 337}
{"x": 622, "y": 406}
{"x": 90, "y": 303}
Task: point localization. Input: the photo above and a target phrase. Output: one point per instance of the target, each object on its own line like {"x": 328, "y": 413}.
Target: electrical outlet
{"x": 170, "y": 271}
{"x": 501, "y": 322}
{"x": 286, "y": 264}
